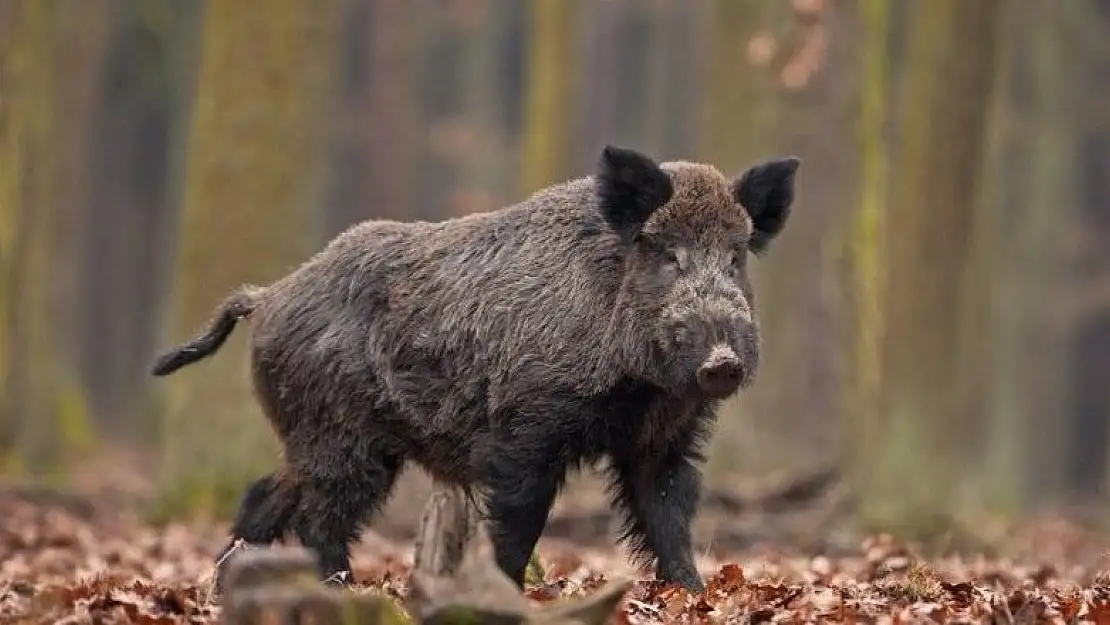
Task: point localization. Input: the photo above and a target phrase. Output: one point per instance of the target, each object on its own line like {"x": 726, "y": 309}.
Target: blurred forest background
{"x": 936, "y": 315}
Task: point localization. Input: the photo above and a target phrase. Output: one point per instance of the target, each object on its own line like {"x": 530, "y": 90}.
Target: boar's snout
{"x": 722, "y": 373}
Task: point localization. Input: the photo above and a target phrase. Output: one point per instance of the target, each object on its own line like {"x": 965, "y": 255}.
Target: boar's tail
{"x": 238, "y": 305}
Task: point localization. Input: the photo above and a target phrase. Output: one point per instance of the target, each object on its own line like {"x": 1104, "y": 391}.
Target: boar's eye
{"x": 664, "y": 254}
{"x": 671, "y": 259}
{"x": 736, "y": 263}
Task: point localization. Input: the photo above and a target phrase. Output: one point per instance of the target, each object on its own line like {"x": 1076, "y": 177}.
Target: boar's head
{"x": 687, "y": 231}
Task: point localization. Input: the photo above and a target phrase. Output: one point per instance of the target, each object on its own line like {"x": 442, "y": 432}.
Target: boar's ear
{"x": 766, "y": 191}
{"x": 630, "y": 187}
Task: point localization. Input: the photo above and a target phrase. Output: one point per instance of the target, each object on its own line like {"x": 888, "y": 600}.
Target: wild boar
{"x": 602, "y": 319}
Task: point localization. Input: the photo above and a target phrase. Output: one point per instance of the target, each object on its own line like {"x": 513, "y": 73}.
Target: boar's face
{"x": 689, "y": 232}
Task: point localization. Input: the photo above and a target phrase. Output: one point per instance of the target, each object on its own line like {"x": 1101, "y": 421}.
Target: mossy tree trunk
{"x": 255, "y": 151}
{"x": 550, "y": 115}
{"x": 42, "y": 418}
{"x": 935, "y": 188}
{"x": 868, "y": 249}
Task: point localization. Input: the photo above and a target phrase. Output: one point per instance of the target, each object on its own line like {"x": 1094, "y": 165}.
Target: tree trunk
{"x": 738, "y": 105}
{"x": 449, "y": 523}
{"x": 390, "y": 112}
{"x": 127, "y": 211}
{"x": 1080, "y": 178}
{"x": 868, "y": 249}
{"x": 737, "y": 123}
{"x": 684, "y": 58}
{"x": 818, "y": 75}
{"x": 550, "y": 118}
{"x": 484, "y": 166}
{"x": 255, "y": 155}
{"x": 375, "y": 136}
{"x": 41, "y": 405}
{"x": 85, "y": 29}
{"x": 935, "y": 189}
{"x": 1032, "y": 188}
{"x": 599, "y": 98}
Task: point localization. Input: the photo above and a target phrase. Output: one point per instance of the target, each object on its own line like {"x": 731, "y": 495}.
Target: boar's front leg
{"x": 522, "y": 485}
{"x": 659, "y": 502}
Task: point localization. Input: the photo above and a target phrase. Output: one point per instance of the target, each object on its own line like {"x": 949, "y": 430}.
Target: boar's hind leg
{"x": 262, "y": 517}
{"x": 521, "y": 492}
{"x": 334, "y": 505}
{"x": 659, "y": 504}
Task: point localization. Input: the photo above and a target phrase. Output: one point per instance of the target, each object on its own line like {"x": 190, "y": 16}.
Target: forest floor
{"x": 84, "y": 559}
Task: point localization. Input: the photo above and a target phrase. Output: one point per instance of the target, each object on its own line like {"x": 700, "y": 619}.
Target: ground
{"x": 70, "y": 559}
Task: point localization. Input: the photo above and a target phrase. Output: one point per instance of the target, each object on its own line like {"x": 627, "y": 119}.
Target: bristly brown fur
{"x": 602, "y": 318}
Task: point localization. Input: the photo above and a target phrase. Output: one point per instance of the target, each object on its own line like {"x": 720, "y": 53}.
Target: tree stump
{"x": 456, "y": 580}
{"x": 449, "y": 522}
